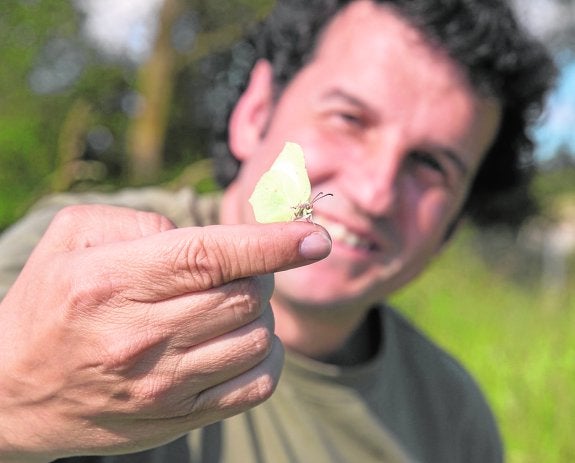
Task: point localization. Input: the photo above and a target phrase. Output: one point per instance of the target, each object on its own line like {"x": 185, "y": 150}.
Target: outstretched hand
{"x": 123, "y": 332}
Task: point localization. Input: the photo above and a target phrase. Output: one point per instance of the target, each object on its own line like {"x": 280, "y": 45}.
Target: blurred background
{"x": 100, "y": 94}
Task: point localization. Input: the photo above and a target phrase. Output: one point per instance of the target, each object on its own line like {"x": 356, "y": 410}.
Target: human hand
{"x": 122, "y": 333}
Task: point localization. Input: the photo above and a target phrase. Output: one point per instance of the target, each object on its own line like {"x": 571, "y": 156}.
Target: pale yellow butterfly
{"x": 283, "y": 192}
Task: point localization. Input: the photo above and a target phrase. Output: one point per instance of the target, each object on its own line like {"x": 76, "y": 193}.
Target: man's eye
{"x": 350, "y": 119}
{"x": 428, "y": 160}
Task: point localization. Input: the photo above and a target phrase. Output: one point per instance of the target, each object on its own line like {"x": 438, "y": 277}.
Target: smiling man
{"x": 397, "y": 144}
{"x": 412, "y": 114}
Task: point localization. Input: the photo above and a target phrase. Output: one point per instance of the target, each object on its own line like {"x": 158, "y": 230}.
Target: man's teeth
{"x": 339, "y": 232}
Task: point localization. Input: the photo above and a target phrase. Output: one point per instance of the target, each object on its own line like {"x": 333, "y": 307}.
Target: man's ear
{"x": 250, "y": 116}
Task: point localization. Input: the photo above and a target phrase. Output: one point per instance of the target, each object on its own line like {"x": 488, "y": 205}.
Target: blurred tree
{"x": 74, "y": 115}
{"x": 156, "y": 80}
{"x": 187, "y": 32}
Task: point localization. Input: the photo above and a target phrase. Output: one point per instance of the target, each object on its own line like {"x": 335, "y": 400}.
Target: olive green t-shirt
{"x": 411, "y": 403}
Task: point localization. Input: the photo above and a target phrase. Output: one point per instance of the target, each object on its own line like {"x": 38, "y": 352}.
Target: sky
{"x": 120, "y": 27}
{"x": 558, "y": 127}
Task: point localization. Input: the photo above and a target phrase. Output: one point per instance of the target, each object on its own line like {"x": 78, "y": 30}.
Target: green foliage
{"x": 40, "y": 131}
{"x": 556, "y": 182}
{"x": 517, "y": 340}
{"x": 28, "y": 122}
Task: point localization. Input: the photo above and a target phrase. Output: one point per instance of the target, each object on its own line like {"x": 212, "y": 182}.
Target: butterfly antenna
{"x": 319, "y": 196}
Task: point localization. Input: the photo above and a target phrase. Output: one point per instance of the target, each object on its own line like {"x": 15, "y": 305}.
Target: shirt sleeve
{"x": 18, "y": 241}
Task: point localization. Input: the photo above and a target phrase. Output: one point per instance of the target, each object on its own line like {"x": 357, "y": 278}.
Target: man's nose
{"x": 376, "y": 182}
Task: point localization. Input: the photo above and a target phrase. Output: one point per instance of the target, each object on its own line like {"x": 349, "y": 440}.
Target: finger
{"x": 243, "y": 391}
{"x": 190, "y": 319}
{"x": 160, "y": 382}
{"x": 197, "y": 410}
{"x": 187, "y": 260}
{"x": 236, "y": 394}
{"x": 223, "y": 358}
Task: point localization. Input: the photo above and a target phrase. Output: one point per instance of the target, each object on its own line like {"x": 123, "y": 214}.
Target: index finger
{"x": 195, "y": 259}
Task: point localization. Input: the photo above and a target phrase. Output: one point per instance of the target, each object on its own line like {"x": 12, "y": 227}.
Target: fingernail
{"x": 315, "y": 246}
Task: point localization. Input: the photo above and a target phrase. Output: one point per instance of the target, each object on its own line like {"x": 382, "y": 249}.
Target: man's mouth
{"x": 340, "y": 233}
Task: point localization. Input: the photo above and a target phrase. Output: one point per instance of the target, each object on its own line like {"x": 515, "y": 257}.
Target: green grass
{"x": 518, "y": 343}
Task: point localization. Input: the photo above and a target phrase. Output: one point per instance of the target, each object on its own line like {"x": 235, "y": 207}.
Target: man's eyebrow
{"x": 452, "y": 155}
{"x": 341, "y": 96}
{"x": 337, "y": 93}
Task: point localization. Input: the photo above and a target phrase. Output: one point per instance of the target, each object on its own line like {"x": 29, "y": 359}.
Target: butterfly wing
{"x": 282, "y": 188}
{"x": 291, "y": 164}
{"x": 270, "y": 199}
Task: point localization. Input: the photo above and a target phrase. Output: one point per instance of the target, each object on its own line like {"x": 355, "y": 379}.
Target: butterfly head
{"x": 304, "y": 210}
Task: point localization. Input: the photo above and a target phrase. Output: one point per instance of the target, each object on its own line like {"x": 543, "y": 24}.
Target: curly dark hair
{"x": 500, "y": 59}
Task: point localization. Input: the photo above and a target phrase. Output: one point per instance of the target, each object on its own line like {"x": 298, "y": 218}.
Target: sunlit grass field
{"x": 518, "y": 341}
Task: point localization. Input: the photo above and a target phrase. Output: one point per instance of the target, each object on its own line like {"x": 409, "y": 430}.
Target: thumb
{"x": 193, "y": 259}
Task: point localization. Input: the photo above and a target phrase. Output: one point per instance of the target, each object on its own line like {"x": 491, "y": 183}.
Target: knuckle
{"x": 152, "y": 394}
{"x": 261, "y": 341}
{"x": 118, "y": 358}
{"x": 212, "y": 260}
{"x": 82, "y": 299}
{"x": 67, "y": 214}
{"x": 264, "y": 387}
{"x": 246, "y": 300}
{"x": 66, "y": 220}
{"x": 200, "y": 264}
{"x": 92, "y": 296}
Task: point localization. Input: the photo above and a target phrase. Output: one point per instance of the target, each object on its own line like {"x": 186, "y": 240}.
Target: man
{"x": 121, "y": 333}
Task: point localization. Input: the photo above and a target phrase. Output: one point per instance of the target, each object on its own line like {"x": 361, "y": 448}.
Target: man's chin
{"x": 323, "y": 298}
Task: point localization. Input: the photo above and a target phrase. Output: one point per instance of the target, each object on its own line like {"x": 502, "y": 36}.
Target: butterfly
{"x": 283, "y": 192}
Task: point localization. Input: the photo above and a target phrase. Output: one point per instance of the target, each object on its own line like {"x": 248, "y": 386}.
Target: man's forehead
{"x": 365, "y": 28}
{"x": 351, "y": 19}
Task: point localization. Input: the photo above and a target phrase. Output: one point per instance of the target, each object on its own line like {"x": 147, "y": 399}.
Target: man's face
{"x": 391, "y": 127}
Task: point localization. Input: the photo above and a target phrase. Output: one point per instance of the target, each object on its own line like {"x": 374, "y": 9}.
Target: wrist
{"x": 10, "y": 449}
{"x": 18, "y": 436}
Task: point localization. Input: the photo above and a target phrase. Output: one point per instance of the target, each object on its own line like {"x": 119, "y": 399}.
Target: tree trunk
{"x": 156, "y": 76}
